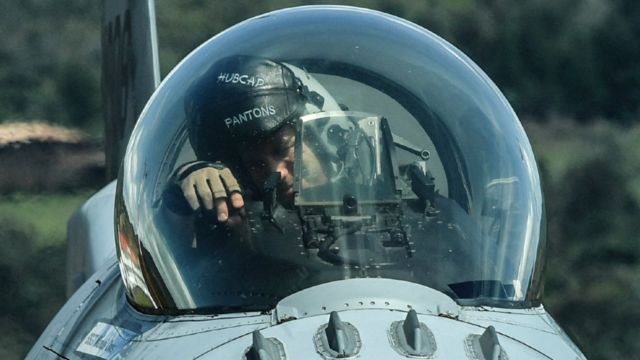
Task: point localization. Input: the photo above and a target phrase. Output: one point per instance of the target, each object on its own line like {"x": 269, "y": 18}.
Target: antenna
{"x": 130, "y": 71}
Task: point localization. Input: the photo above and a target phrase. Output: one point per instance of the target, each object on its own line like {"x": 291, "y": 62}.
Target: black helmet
{"x": 240, "y": 98}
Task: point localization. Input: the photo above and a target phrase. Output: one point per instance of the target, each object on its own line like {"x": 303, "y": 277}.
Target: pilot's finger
{"x": 217, "y": 188}
{"x": 189, "y": 192}
{"x": 204, "y": 192}
{"x": 229, "y": 180}
{"x": 237, "y": 201}
{"x": 237, "y": 218}
{"x": 222, "y": 209}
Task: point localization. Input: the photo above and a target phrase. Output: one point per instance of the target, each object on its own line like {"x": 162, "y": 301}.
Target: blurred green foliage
{"x": 46, "y": 214}
{"x": 49, "y": 61}
{"x": 572, "y": 58}
{"x": 553, "y": 59}
{"x": 593, "y": 205}
{"x": 32, "y": 265}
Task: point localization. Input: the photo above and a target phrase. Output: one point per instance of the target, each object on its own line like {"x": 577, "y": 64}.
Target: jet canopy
{"x": 318, "y": 144}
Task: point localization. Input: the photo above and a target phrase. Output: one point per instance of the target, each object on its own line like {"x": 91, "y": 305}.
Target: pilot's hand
{"x": 212, "y": 187}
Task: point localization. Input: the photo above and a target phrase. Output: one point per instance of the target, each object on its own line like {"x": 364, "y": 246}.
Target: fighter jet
{"x": 320, "y": 182}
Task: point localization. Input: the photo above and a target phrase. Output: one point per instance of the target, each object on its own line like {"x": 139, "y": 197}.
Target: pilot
{"x": 241, "y": 117}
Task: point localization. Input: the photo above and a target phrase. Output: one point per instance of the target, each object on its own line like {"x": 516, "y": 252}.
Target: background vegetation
{"x": 570, "y": 68}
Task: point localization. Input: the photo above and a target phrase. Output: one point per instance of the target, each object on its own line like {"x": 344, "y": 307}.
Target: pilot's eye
{"x": 283, "y": 150}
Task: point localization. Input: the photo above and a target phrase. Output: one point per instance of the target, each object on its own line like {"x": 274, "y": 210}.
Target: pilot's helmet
{"x": 242, "y": 99}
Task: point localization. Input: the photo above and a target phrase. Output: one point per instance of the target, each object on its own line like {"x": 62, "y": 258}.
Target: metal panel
{"x": 130, "y": 71}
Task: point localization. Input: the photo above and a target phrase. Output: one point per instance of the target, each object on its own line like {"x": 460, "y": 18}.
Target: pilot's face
{"x": 272, "y": 154}
{"x": 276, "y": 153}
